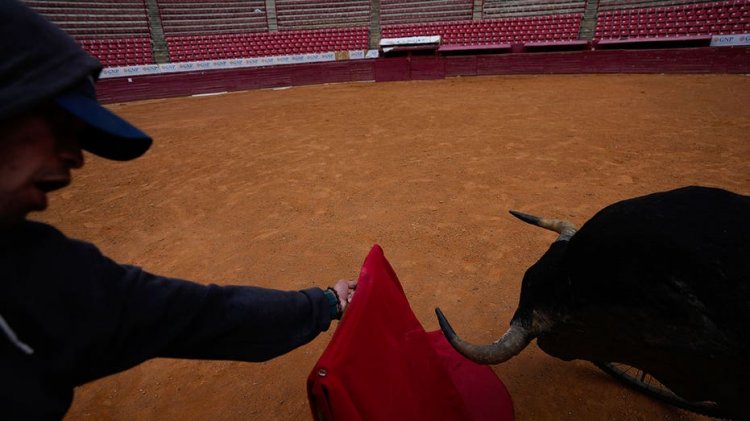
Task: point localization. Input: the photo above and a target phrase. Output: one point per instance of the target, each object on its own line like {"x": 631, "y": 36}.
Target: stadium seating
{"x": 495, "y": 9}
{"x": 400, "y": 12}
{"x": 118, "y": 32}
{"x": 724, "y": 17}
{"x": 244, "y": 45}
{"x": 114, "y": 31}
{"x": 315, "y": 14}
{"x": 606, "y": 5}
{"x": 497, "y": 31}
{"x": 103, "y": 18}
{"x": 182, "y": 17}
{"x": 119, "y": 52}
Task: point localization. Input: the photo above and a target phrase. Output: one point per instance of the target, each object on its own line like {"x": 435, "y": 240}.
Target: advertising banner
{"x": 730, "y": 40}
{"x": 193, "y": 66}
{"x": 393, "y": 42}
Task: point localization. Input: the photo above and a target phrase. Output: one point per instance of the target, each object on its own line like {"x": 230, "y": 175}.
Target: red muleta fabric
{"x": 382, "y": 365}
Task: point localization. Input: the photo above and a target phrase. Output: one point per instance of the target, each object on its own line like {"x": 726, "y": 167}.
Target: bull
{"x": 659, "y": 282}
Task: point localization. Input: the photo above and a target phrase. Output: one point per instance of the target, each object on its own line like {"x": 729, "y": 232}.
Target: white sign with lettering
{"x": 730, "y": 40}
{"x": 391, "y": 42}
{"x": 192, "y": 66}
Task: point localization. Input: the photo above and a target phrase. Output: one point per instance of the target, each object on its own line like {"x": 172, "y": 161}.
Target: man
{"x": 68, "y": 314}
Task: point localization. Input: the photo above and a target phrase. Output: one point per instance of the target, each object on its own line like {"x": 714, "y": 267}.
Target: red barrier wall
{"x": 420, "y": 67}
{"x": 689, "y": 60}
{"x": 392, "y": 69}
{"x": 191, "y": 83}
{"x": 427, "y": 67}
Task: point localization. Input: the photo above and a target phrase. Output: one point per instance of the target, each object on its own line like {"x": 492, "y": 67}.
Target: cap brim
{"x": 108, "y": 135}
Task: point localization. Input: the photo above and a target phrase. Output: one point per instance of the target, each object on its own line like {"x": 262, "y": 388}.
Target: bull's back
{"x": 681, "y": 256}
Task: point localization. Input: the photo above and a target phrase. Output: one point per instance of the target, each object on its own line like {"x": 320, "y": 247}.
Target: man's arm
{"x": 87, "y": 316}
{"x": 162, "y": 317}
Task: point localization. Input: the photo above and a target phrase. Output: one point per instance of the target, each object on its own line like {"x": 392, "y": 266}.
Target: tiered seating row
{"x": 605, "y": 5}
{"x": 239, "y": 28}
{"x": 91, "y": 19}
{"x": 202, "y": 16}
{"x": 500, "y": 31}
{"x": 399, "y": 12}
{"x": 245, "y": 45}
{"x": 314, "y": 14}
{"x": 494, "y": 9}
{"x": 120, "y": 52}
{"x": 693, "y": 19}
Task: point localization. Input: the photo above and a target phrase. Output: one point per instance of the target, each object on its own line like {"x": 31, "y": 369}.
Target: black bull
{"x": 660, "y": 282}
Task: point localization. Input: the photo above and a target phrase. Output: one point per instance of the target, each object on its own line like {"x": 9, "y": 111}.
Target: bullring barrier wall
{"x": 425, "y": 67}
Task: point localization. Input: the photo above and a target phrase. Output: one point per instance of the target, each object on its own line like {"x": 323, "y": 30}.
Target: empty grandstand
{"x": 180, "y": 17}
{"x": 127, "y": 32}
{"x": 196, "y": 44}
{"x": 96, "y": 18}
{"x": 496, "y": 31}
{"x": 239, "y": 45}
{"x": 507, "y": 8}
{"x": 115, "y": 31}
{"x": 312, "y": 14}
{"x": 398, "y": 12}
{"x": 724, "y": 17}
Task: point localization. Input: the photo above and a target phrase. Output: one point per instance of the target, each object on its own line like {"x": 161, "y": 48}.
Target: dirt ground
{"x": 290, "y": 189}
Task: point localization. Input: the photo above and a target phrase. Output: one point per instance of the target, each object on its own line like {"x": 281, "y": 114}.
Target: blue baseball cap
{"x": 39, "y": 62}
{"x": 107, "y": 134}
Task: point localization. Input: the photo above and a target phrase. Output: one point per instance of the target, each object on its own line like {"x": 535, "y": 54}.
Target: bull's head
{"x": 531, "y": 319}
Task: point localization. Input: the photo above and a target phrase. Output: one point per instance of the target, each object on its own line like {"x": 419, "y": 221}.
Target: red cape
{"x": 382, "y": 365}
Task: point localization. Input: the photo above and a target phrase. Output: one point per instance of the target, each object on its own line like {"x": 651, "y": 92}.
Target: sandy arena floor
{"x": 290, "y": 188}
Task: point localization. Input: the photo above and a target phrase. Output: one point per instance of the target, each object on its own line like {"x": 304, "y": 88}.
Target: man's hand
{"x": 345, "y": 289}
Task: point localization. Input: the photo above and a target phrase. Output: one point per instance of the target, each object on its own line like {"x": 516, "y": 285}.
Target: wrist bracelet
{"x": 334, "y": 303}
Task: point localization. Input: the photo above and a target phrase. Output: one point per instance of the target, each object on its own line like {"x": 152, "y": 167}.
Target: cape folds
{"x": 382, "y": 365}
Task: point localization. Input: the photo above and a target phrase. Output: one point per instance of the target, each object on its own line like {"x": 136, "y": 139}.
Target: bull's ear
{"x": 566, "y": 229}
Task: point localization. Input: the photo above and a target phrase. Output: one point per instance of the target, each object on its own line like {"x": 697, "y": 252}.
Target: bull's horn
{"x": 564, "y": 228}
{"x": 510, "y": 344}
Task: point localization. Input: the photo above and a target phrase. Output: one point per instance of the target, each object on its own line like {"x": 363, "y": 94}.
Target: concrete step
{"x": 588, "y": 23}
{"x": 271, "y": 17}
